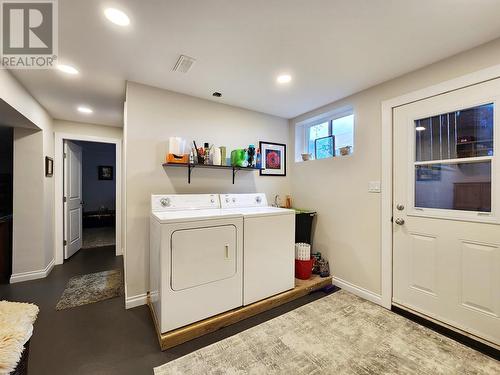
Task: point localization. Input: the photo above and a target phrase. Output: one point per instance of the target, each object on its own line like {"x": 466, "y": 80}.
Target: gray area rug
{"x": 98, "y": 237}
{"x": 338, "y": 334}
{"x": 90, "y": 288}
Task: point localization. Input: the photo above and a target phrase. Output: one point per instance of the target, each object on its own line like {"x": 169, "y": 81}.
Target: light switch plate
{"x": 374, "y": 187}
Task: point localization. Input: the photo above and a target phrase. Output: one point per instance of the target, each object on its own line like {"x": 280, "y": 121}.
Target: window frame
{"x": 330, "y": 117}
{"x": 452, "y": 214}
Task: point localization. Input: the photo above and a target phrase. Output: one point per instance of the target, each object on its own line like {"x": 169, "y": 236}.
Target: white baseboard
{"x": 32, "y": 275}
{"x": 137, "y": 300}
{"x": 357, "y": 290}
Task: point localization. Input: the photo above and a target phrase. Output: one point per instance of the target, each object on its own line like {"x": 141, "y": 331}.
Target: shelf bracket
{"x": 234, "y": 173}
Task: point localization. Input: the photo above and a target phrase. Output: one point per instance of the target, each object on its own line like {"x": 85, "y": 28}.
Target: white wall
{"x": 91, "y": 130}
{"x": 33, "y": 219}
{"x": 152, "y": 116}
{"x": 348, "y": 222}
{"x": 82, "y": 131}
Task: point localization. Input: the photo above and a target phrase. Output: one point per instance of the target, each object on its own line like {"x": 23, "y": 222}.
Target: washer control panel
{"x": 177, "y": 202}
{"x": 243, "y": 200}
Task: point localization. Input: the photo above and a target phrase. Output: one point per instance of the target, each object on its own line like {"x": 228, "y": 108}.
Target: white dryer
{"x": 196, "y": 259}
{"x": 268, "y": 243}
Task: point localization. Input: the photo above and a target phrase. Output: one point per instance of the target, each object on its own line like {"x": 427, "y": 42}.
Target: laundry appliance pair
{"x": 211, "y": 253}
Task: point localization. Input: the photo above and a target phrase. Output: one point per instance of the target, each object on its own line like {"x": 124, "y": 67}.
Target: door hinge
{"x": 64, "y": 154}
{"x": 64, "y": 199}
{"x": 65, "y": 242}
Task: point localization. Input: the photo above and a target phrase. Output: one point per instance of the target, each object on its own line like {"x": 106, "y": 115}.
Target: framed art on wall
{"x": 273, "y": 159}
{"x": 324, "y": 147}
{"x": 105, "y": 172}
{"x": 49, "y": 166}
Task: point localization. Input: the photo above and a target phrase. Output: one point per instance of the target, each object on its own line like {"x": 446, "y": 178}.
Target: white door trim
{"x": 387, "y": 155}
{"x": 58, "y": 188}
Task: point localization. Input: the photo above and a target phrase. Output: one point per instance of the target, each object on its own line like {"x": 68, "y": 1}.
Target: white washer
{"x": 268, "y": 243}
{"x": 196, "y": 259}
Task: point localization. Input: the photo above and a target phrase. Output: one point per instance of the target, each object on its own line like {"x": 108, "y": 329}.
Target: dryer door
{"x": 202, "y": 256}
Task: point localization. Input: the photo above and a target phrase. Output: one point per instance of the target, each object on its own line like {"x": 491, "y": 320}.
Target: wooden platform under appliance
{"x": 180, "y": 335}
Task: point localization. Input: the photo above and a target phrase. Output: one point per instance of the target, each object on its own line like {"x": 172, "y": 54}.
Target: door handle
{"x": 399, "y": 221}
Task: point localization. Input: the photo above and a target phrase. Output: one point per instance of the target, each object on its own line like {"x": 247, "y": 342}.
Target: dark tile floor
{"x": 104, "y": 338}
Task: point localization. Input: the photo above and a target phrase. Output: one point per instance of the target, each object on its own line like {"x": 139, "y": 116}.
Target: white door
{"x": 73, "y": 200}
{"x": 446, "y": 209}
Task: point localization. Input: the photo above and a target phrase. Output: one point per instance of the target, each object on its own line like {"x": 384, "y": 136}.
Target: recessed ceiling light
{"x": 68, "y": 69}
{"x": 284, "y": 78}
{"x": 84, "y": 109}
{"x": 419, "y": 128}
{"x": 117, "y": 16}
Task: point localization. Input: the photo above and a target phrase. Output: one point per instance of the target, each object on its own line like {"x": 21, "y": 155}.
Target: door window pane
{"x": 464, "y": 186}
{"x": 460, "y": 134}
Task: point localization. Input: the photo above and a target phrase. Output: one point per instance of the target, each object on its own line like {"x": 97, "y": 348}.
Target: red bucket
{"x": 303, "y": 268}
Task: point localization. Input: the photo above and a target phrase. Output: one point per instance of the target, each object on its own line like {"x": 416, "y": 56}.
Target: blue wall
{"x": 97, "y": 193}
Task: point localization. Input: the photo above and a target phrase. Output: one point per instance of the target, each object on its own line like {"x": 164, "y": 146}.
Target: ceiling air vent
{"x": 184, "y": 64}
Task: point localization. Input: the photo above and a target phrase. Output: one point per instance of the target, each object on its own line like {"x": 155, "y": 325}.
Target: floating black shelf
{"x": 190, "y": 167}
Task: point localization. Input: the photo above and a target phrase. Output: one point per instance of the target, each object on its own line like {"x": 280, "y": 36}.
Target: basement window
{"x": 325, "y": 136}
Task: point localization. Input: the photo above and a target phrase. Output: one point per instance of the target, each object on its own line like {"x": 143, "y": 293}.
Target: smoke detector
{"x": 184, "y": 64}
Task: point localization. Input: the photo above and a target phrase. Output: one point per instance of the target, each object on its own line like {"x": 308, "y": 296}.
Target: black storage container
{"x": 303, "y": 225}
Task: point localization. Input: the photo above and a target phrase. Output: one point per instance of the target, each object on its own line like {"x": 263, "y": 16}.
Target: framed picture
{"x": 49, "y": 167}
{"x": 324, "y": 147}
{"x": 273, "y": 159}
{"x": 105, "y": 172}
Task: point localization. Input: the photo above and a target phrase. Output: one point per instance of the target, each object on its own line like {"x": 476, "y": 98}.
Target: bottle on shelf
{"x": 244, "y": 162}
{"x": 206, "y": 153}
{"x": 223, "y": 156}
{"x": 251, "y": 155}
{"x": 258, "y": 159}
{"x": 216, "y": 156}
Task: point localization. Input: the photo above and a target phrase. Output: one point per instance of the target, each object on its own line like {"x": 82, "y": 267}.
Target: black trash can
{"x": 303, "y": 225}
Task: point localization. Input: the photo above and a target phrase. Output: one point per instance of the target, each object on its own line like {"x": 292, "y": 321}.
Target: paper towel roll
{"x": 176, "y": 145}
{"x": 217, "y": 156}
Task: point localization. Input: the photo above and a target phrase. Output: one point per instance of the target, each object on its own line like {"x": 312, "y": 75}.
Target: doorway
{"x": 87, "y": 194}
{"x": 446, "y": 209}
{"x": 6, "y": 200}
{"x": 99, "y": 194}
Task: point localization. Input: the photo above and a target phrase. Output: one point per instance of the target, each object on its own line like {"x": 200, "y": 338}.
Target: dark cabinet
{"x": 96, "y": 219}
{"x": 472, "y": 196}
{"x": 5, "y": 248}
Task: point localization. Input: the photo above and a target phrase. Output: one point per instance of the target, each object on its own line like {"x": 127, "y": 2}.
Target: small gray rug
{"x": 90, "y": 288}
{"x": 98, "y": 237}
{"x": 338, "y": 334}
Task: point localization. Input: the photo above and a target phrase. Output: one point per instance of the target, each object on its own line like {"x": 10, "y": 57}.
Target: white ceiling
{"x": 332, "y": 48}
